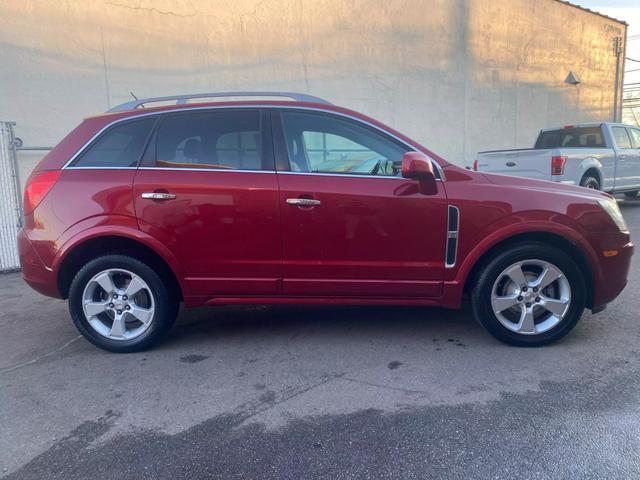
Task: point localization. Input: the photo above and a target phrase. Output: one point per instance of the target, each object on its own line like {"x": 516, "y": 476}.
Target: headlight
{"x": 611, "y": 207}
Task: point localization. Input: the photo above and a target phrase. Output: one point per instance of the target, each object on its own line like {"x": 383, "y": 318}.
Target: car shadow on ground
{"x": 343, "y": 321}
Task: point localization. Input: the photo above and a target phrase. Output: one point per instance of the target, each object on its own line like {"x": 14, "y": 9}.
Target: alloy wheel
{"x": 531, "y": 297}
{"x": 118, "y": 304}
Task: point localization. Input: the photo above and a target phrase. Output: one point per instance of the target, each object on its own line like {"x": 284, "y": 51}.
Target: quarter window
{"x": 324, "y": 144}
{"x": 227, "y": 140}
{"x": 120, "y": 146}
{"x": 622, "y": 139}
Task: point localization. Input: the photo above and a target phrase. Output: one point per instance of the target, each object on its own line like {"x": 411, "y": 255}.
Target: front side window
{"x": 621, "y": 137}
{"x": 634, "y": 133}
{"x": 224, "y": 140}
{"x": 120, "y": 146}
{"x": 320, "y": 143}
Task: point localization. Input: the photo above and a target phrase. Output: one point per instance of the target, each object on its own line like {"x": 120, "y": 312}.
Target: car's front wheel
{"x": 121, "y": 304}
{"x": 631, "y": 195}
{"x": 530, "y": 295}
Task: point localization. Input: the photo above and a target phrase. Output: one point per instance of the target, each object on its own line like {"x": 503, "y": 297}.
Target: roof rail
{"x": 182, "y": 99}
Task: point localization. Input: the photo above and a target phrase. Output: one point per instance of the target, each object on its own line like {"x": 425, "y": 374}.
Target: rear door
{"x": 352, "y": 226}
{"x": 207, "y": 190}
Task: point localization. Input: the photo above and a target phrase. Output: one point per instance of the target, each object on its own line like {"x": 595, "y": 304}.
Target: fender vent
{"x": 453, "y": 226}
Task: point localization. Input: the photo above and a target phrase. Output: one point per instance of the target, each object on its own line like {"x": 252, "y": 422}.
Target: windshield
{"x": 579, "y": 137}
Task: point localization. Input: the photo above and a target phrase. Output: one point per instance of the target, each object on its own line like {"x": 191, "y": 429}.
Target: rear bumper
{"x": 34, "y": 272}
{"x": 613, "y": 272}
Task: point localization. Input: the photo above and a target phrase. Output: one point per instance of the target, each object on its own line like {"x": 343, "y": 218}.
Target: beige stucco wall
{"x": 459, "y": 76}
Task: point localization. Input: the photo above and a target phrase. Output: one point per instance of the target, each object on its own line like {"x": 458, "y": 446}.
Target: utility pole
{"x": 617, "y": 50}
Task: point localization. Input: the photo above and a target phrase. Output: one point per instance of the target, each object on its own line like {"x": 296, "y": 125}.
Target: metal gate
{"x": 10, "y": 204}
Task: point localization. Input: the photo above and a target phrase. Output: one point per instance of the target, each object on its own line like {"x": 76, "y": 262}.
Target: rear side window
{"x": 120, "y": 146}
{"x": 581, "y": 137}
{"x": 223, "y": 140}
{"x": 621, "y": 137}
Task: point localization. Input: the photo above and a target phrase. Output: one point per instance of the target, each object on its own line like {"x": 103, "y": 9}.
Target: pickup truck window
{"x": 621, "y": 137}
{"x": 580, "y": 137}
{"x": 634, "y": 133}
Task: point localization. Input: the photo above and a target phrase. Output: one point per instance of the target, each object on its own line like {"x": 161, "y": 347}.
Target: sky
{"x": 629, "y": 11}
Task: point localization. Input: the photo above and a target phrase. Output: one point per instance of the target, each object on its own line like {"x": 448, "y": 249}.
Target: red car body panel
{"x": 223, "y": 228}
{"x": 365, "y": 238}
{"x": 231, "y": 237}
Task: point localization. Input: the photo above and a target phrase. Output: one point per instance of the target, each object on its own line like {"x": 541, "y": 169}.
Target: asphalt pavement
{"x": 319, "y": 392}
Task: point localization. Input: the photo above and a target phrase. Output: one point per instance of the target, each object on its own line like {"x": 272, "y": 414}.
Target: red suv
{"x": 299, "y": 201}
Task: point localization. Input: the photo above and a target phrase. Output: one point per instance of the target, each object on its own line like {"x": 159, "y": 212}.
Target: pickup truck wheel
{"x": 589, "y": 181}
{"x": 121, "y": 304}
{"x": 631, "y": 194}
{"x": 530, "y": 295}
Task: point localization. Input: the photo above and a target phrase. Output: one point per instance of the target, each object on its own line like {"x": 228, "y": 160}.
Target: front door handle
{"x": 159, "y": 195}
{"x": 621, "y": 157}
{"x": 303, "y": 202}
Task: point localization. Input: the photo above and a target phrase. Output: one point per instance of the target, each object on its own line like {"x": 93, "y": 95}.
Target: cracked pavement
{"x": 319, "y": 392}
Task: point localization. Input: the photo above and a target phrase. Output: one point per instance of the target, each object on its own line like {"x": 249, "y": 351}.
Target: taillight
{"x": 38, "y": 185}
{"x": 557, "y": 165}
{"x": 475, "y": 165}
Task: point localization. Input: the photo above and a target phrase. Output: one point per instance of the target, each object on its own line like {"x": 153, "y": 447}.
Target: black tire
{"x": 631, "y": 195}
{"x": 590, "y": 181}
{"x": 165, "y": 303}
{"x": 482, "y": 293}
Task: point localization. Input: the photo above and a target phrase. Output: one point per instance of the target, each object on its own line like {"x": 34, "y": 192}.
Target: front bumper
{"x": 613, "y": 270}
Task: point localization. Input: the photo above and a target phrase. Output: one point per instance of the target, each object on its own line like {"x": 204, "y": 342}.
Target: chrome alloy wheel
{"x": 118, "y": 304}
{"x": 531, "y": 297}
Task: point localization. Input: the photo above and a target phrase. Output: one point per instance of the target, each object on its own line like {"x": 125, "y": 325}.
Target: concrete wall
{"x": 459, "y": 76}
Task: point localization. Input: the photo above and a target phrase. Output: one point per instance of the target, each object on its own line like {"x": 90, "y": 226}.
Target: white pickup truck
{"x": 603, "y": 156}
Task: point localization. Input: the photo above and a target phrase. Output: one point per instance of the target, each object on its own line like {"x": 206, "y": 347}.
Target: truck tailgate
{"x": 528, "y": 163}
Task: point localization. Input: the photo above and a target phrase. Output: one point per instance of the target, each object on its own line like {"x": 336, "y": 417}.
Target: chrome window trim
{"x": 212, "y": 170}
{"x": 343, "y": 175}
{"x": 441, "y": 176}
{"x": 100, "y": 168}
{"x": 452, "y": 234}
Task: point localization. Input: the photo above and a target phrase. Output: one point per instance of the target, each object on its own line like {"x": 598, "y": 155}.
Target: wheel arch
{"x": 85, "y": 249}
{"x": 592, "y": 168}
{"x": 557, "y": 240}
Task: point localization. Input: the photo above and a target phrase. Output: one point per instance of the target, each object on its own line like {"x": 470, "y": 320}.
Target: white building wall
{"x": 459, "y": 76}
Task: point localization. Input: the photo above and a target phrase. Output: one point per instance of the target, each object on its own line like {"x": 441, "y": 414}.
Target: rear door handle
{"x": 158, "y": 195}
{"x": 303, "y": 202}
{"x": 621, "y": 157}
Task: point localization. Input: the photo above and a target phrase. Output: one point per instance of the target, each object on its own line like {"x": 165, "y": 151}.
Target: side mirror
{"x": 418, "y": 166}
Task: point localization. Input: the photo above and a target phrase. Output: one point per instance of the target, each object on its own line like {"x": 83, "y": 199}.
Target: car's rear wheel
{"x": 530, "y": 295}
{"x": 630, "y": 195}
{"x": 121, "y": 304}
{"x": 589, "y": 181}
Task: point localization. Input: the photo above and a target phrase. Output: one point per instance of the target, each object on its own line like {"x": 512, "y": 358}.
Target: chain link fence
{"x": 10, "y": 199}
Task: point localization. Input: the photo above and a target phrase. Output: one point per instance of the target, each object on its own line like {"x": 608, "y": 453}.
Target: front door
{"x": 625, "y": 156}
{"x": 633, "y": 158}
{"x": 352, "y": 226}
{"x": 207, "y": 190}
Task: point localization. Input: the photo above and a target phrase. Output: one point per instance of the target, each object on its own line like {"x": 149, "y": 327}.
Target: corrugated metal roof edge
{"x": 585, "y": 9}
